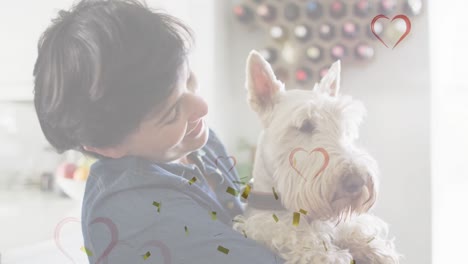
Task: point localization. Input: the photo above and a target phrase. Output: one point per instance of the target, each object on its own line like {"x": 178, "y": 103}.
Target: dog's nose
{"x": 353, "y": 183}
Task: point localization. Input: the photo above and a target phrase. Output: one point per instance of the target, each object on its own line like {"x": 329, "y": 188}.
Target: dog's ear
{"x": 330, "y": 83}
{"x": 261, "y": 83}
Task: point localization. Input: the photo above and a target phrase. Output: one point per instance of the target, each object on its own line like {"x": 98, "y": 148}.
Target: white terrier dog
{"x": 306, "y": 154}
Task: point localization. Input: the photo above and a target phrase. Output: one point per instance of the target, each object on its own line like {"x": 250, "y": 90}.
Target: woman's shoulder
{"x": 214, "y": 141}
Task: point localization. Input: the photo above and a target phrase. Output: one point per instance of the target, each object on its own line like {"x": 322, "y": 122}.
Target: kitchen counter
{"x": 28, "y": 217}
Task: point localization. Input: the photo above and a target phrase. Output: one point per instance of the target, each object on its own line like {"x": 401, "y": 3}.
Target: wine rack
{"x": 304, "y": 37}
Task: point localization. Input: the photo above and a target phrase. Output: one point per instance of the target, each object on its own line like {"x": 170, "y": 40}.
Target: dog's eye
{"x": 307, "y": 127}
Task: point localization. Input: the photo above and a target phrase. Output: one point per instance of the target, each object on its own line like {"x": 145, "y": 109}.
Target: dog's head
{"x": 308, "y": 143}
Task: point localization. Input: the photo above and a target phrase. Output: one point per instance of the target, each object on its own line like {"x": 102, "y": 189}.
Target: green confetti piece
{"x": 296, "y": 218}
{"x": 232, "y": 191}
{"x": 325, "y": 246}
{"x": 276, "y": 218}
{"x": 243, "y": 231}
{"x": 223, "y": 250}
{"x": 370, "y": 240}
{"x": 158, "y": 205}
{"x": 302, "y": 211}
{"x": 194, "y": 179}
{"x": 246, "y": 192}
{"x": 240, "y": 182}
{"x": 213, "y": 215}
{"x": 147, "y": 255}
{"x": 87, "y": 251}
{"x": 353, "y": 262}
{"x": 274, "y": 193}
{"x": 238, "y": 221}
{"x": 186, "y": 230}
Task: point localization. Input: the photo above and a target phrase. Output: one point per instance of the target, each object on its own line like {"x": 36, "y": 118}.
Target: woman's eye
{"x": 176, "y": 115}
{"x": 307, "y": 127}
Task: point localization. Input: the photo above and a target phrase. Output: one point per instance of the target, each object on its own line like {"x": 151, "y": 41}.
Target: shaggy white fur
{"x": 306, "y": 151}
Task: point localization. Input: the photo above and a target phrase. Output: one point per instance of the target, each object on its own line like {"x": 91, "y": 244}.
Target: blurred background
{"x": 415, "y": 94}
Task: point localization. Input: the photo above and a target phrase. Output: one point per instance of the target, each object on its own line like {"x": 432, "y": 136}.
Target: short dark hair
{"x": 102, "y": 68}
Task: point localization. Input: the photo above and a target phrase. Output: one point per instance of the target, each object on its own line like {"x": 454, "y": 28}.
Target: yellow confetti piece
{"x": 302, "y": 211}
{"x": 232, "y": 191}
{"x": 223, "y": 250}
{"x": 294, "y": 162}
{"x": 274, "y": 193}
{"x": 353, "y": 261}
{"x": 325, "y": 246}
{"x": 246, "y": 192}
{"x": 213, "y": 215}
{"x": 276, "y": 218}
{"x": 194, "y": 179}
{"x": 87, "y": 251}
{"x": 186, "y": 230}
{"x": 296, "y": 218}
{"x": 147, "y": 255}
{"x": 158, "y": 205}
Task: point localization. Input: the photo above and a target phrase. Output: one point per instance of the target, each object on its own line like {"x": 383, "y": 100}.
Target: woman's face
{"x": 173, "y": 132}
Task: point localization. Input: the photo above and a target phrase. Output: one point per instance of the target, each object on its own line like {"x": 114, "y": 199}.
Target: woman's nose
{"x": 198, "y": 108}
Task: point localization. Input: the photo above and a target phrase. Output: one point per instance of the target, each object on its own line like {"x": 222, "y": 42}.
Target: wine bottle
{"x": 302, "y": 32}
{"x": 378, "y": 28}
{"x": 362, "y": 8}
{"x": 266, "y": 12}
{"x": 414, "y": 7}
{"x": 314, "y": 53}
{"x": 326, "y": 31}
{"x": 338, "y": 51}
{"x": 291, "y": 11}
{"x": 278, "y": 33}
{"x": 323, "y": 72}
{"x": 337, "y": 9}
{"x": 364, "y": 51}
{"x": 243, "y": 13}
{"x": 303, "y": 75}
{"x": 350, "y": 30}
{"x": 387, "y": 6}
{"x": 314, "y": 9}
{"x": 270, "y": 54}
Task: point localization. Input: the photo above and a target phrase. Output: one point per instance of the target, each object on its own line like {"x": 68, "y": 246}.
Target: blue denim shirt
{"x": 138, "y": 211}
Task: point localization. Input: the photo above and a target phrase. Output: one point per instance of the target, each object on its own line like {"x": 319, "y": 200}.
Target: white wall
{"x": 396, "y": 90}
{"x": 450, "y": 129}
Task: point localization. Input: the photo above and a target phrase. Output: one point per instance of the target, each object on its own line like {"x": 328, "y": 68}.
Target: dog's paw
{"x": 366, "y": 238}
{"x": 331, "y": 257}
{"x": 377, "y": 251}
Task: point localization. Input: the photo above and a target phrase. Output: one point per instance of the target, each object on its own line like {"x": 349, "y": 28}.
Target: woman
{"x": 112, "y": 80}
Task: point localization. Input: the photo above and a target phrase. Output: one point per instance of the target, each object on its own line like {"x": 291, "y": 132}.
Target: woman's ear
{"x": 192, "y": 83}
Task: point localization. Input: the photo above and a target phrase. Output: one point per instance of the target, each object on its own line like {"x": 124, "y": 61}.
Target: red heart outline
{"x": 401, "y": 16}
{"x": 320, "y": 150}
{"x": 104, "y": 220}
{"x": 228, "y": 157}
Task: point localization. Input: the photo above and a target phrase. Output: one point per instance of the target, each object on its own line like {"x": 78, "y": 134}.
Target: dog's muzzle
{"x": 353, "y": 182}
